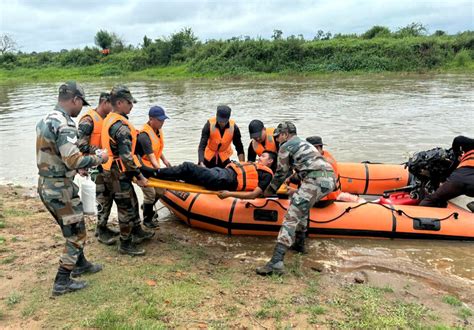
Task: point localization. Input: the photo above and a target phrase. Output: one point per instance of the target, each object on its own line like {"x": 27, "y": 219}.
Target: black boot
{"x": 64, "y": 284}
{"x": 83, "y": 266}
{"x": 150, "y": 217}
{"x": 139, "y": 235}
{"x": 275, "y": 265}
{"x": 127, "y": 246}
{"x": 299, "y": 245}
{"x": 105, "y": 235}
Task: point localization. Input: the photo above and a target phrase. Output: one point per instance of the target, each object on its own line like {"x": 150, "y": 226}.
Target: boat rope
{"x": 400, "y": 212}
{"x": 363, "y": 179}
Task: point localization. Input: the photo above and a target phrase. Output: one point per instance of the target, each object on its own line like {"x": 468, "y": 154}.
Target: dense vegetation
{"x": 378, "y": 49}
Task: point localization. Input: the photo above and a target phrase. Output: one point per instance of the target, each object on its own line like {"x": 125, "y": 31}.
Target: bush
{"x": 462, "y": 58}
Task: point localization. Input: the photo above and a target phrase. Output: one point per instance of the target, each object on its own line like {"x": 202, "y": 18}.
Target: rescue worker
{"x": 461, "y": 180}
{"x": 261, "y": 139}
{"x": 217, "y": 135}
{"x": 90, "y": 128}
{"x": 119, "y": 137}
{"x": 150, "y": 149}
{"x": 247, "y": 180}
{"x": 317, "y": 142}
{"x": 317, "y": 181}
{"x": 58, "y": 158}
{"x": 337, "y": 194}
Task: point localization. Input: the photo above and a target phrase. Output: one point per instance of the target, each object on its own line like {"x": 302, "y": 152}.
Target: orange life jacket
{"x": 247, "y": 175}
{"x": 330, "y": 159}
{"x": 111, "y": 119}
{"x": 217, "y": 145}
{"x": 270, "y": 144}
{"x": 97, "y": 120}
{"x": 467, "y": 160}
{"x": 157, "y": 144}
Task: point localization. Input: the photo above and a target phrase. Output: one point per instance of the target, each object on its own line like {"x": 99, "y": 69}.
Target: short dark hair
{"x": 274, "y": 157}
{"x": 104, "y": 97}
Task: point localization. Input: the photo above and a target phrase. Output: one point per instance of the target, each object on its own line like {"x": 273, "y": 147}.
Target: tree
{"x": 103, "y": 39}
{"x": 376, "y": 32}
{"x": 146, "y": 42}
{"x": 7, "y": 44}
{"x": 439, "y": 33}
{"x": 277, "y": 34}
{"x": 118, "y": 44}
{"x": 412, "y": 30}
{"x": 320, "y": 35}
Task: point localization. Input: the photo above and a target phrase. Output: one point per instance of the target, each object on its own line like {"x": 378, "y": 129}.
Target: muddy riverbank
{"x": 191, "y": 278}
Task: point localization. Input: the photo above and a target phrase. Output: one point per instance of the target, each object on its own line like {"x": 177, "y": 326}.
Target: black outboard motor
{"x": 429, "y": 169}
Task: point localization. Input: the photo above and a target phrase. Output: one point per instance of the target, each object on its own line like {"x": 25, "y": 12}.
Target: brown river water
{"x": 376, "y": 118}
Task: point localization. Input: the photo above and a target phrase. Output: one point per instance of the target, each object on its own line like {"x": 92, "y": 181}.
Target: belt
{"x": 320, "y": 174}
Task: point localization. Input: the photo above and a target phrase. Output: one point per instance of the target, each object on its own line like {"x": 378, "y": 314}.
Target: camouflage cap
{"x": 285, "y": 127}
{"x": 73, "y": 89}
{"x": 122, "y": 92}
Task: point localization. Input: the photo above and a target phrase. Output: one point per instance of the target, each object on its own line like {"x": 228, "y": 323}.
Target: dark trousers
{"x": 447, "y": 191}
{"x": 216, "y": 162}
{"x": 211, "y": 178}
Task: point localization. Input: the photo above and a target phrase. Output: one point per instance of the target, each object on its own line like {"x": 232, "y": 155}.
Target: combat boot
{"x": 275, "y": 265}
{"x": 83, "y": 266}
{"x": 105, "y": 235}
{"x": 150, "y": 217}
{"x": 127, "y": 246}
{"x": 139, "y": 235}
{"x": 299, "y": 245}
{"x": 64, "y": 284}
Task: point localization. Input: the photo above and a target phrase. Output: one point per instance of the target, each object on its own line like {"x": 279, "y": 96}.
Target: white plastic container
{"x": 88, "y": 196}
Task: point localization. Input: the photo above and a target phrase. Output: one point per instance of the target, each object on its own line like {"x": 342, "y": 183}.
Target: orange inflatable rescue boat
{"x": 381, "y": 218}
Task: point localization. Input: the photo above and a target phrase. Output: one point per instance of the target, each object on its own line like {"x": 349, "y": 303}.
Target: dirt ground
{"x": 196, "y": 279}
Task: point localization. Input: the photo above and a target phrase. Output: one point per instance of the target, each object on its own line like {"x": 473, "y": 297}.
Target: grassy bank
{"x": 195, "y": 279}
{"x": 182, "y": 55}
{"x": 182, "y": 72}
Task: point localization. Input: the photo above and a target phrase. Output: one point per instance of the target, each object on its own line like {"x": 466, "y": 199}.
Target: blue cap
{"x": 158, "y": 113}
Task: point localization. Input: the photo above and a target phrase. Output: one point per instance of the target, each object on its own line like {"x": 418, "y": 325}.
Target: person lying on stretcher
{"x": 240, "y": 180}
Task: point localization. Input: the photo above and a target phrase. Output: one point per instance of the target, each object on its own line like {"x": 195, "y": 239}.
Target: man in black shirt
{"x": 250, "y": 179}
{"x": 217, "y": 137}
{"x": 461, "y": 180}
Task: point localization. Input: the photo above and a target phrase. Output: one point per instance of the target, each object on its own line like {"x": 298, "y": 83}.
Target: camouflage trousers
{"x": 151, "y": 195}
{"x": 61, "y": 198}
{"x": 104, "y": 200}
{"x": 122, "y": 192}
{"x": 296, "y": 218}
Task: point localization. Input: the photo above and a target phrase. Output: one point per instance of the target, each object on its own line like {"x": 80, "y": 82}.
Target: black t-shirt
{"x": 264, "y": 179}
{"x": 143, "y": 145}
{"x": 463, "y": 175}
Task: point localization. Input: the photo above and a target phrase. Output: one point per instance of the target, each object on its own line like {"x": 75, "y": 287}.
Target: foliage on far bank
{"x": 376, "y": 50}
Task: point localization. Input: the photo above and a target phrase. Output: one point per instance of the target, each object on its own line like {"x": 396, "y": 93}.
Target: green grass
{"x": 9, "y": 259}
{"x": 13, "y": 299}
{"x": 2, "y": 240}
{"x": 453, "y": 301}
{"x": 367, "y": 307}
{"x": 2, "y": 224}
{"x": 13, "y": 212}
{"x": 465, "y": 313}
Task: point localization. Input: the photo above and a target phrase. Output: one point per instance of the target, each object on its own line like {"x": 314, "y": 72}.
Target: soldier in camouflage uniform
{"x": 317, "y": 180}
{"x": 119, "y": 137}
{"x": 90, "y": 127}
{"x": 58, "y": 158}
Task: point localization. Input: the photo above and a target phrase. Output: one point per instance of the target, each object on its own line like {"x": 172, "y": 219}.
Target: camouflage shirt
{"x": 57, "y": 154}
{"x": 121, "y": 145}
{"x": 299, "y": 155}
{"x": 85, "y": 129}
